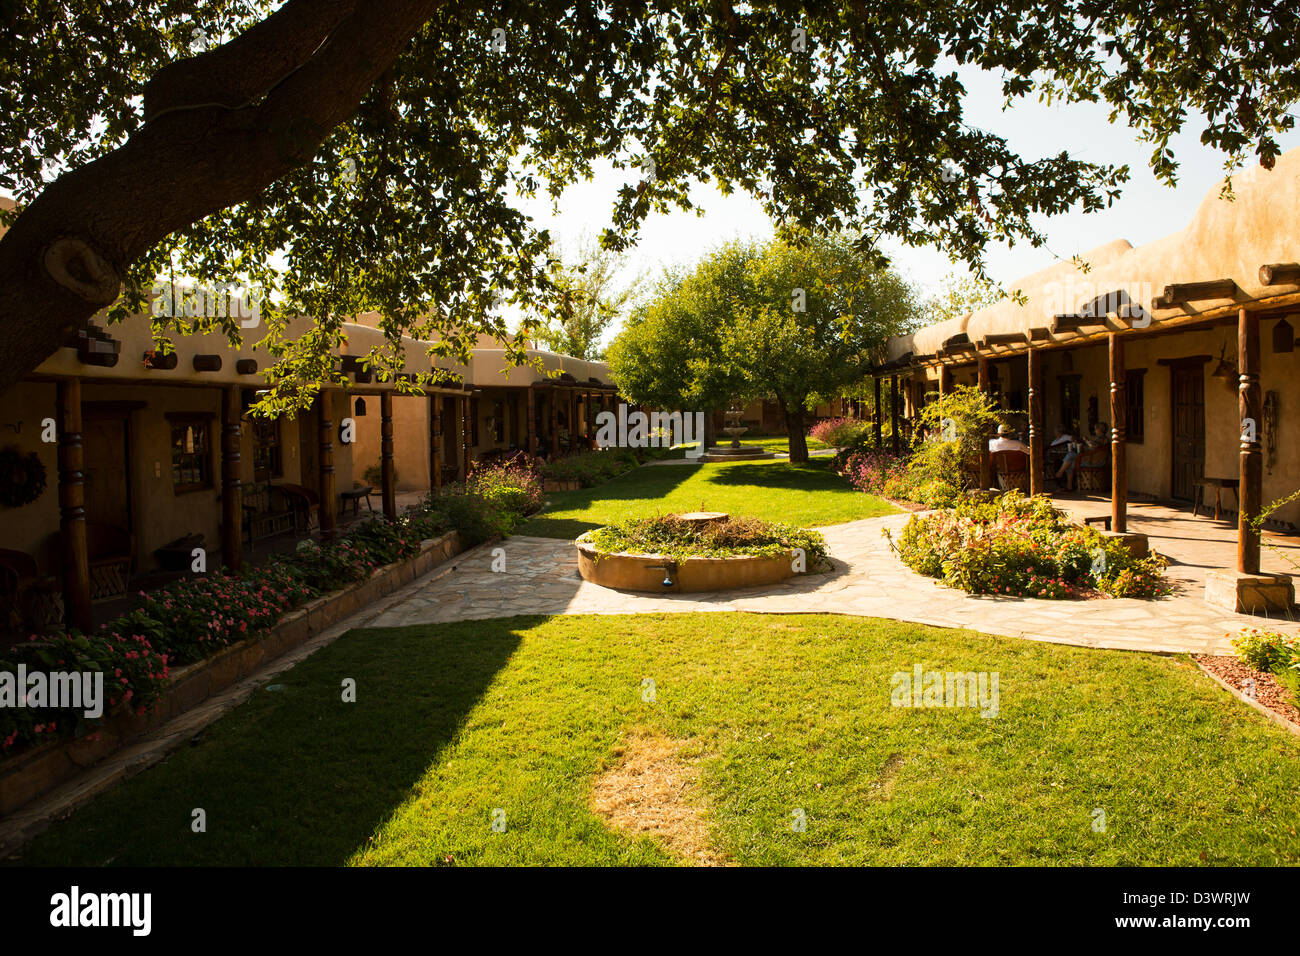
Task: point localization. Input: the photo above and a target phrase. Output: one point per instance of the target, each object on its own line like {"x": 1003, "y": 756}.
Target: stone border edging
{"x": 31, "y": 774}
{"x": 1249, "y": 701}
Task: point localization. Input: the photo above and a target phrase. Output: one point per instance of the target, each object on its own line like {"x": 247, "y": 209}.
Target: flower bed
{"x": 839, "y": 432}
{"x": 1026, "y": 547}
{"x": 673, "y": 537}
{"x": 196, "y": 618}
{"x": 672, "y": 553}
{"x": 1265, "y": 671}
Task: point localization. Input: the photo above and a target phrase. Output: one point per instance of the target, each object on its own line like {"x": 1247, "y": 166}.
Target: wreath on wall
{"x": 22, "y": 477}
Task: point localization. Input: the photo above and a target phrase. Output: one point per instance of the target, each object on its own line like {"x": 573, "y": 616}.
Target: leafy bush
{"x": 514, "y": 484}
{"x": 840, "y": 432}
{"x": 669, "y": 535}
{"x": 1023, "y": 546}
{"x": 1267, "y": 650}
{"x": 374, "y": 475}
{"x": 591, "y": 468}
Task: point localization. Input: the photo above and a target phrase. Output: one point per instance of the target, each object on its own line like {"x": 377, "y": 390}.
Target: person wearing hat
{"x": 1006, "y": 441}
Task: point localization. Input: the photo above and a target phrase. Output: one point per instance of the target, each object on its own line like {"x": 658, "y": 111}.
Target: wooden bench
{"x": 1103, "y": 520}
{"x": 1218, "y": 484}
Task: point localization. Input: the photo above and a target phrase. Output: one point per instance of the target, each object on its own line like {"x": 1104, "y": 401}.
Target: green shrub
{"x": 1267, "y": 650}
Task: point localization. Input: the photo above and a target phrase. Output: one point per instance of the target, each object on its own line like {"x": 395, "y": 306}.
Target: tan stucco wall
{"x": 158, "y": 512}
{"x": 410, "y": 439}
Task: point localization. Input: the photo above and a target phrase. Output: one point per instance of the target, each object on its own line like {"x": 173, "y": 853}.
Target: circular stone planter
{"x": 648, "y": 572}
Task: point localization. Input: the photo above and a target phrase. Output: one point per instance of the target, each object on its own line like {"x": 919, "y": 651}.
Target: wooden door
{"x": 108, "y": 489}
{"x": 1189, "y": 430}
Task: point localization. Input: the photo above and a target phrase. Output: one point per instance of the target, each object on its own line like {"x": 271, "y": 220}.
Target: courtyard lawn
{"x": 514, "y": 720}
{"x": 810, "y": 494}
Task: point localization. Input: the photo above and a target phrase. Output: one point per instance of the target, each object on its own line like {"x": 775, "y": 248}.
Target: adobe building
{"x": 1182, "y": 349}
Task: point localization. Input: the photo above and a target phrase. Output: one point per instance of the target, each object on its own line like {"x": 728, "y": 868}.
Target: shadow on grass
{"x": 813, "y": 475}
{"x": 295, "y": 776}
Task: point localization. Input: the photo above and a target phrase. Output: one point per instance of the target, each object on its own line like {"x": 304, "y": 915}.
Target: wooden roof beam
{"x": 1280, "y": 273}
{"x": 1181, "y": 292}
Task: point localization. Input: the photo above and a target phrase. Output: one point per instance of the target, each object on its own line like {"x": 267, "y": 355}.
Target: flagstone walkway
{"x": 540, "y": 576}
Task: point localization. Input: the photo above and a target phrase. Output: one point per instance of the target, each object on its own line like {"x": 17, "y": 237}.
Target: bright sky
{"x": 1146, "y": 210}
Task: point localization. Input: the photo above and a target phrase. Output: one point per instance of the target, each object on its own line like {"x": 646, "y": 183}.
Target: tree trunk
{"x": 220, "y": 128}
{"x": 794, "y": 423}
{"x": 710, "y": 430}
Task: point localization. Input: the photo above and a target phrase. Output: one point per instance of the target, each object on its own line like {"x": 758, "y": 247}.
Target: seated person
{"x": 1063, "y": 437}
{"x": 1006, "y": 442}
{"x": 1077, "y": 453}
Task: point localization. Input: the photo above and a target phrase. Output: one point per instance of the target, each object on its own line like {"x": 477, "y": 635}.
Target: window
{"x": 1133, "y": 402}
{"x": 267, "y": 460}
{"x": 191, "y": 453}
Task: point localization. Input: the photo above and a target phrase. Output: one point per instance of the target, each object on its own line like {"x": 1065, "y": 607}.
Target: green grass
{"x": 453, "y": 723}
{"x": 776, "y": 443}
{"x": 807, "y": 495}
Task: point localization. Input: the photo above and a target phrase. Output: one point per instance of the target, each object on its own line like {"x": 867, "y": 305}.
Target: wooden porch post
{"x": 467, "y": 432}
{"x": 1250, "y": 406}
{"x": 232, "y": 497}
{"x": 555, "y": 423}
{"x": 986, "y": 472}
{"x": 72, "y": 508}
{"x": 386, "y": 470}
{"x": 878, "y": 412}
{"x": 532, "y": 421}
{"x": 1035, "y": 360}
{"x": 893, "y": 413}
{"x": 435, "y": 443}
{"x": 325, "y": 442}
{"x": 1118, "y": 437}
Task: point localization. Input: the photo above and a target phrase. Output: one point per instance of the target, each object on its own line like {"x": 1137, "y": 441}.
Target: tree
{"x": 374, "y": 147}
{"x": 671, "y": 353}
{"x": 812, "y": 321}
{"x": 591, "y": 298}
{"x": 958, "y": 295}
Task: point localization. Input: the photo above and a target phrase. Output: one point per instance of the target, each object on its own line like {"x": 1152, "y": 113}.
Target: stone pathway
{"x": 540, "y": 577}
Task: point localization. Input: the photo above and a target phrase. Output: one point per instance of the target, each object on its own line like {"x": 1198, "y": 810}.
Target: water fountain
{"x": 736, "y": 451}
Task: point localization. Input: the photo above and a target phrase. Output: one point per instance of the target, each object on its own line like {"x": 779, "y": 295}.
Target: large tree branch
{"x": 245, "y": 69}
{"x": 63, "y": 259}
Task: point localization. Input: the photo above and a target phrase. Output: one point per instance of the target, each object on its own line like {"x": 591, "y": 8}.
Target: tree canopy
{"x": 591, "y": 298}
{"x": 799, "y": 322}
{"x": 374, "y": 149}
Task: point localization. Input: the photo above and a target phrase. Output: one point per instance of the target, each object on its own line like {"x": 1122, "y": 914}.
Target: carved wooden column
{"x": 555, "y": 423}
{"x": 325, "y": 452}
{"x": 466, "y": 436}
{"x": 893, "y": 414}
{"x": 387, "y": 483}
{"x": 232, "y": 497}
{"x": 435, "y": 443}
{"x": 532, "y": 421}
{"x": 1250, "y": 406}
{"x": 1035, "y": 360}
{"x": 1118, "y": 437}
{"x": 72, "y": 508}
{"x": 879, "y": 412}
{"x": 986, "y": 470}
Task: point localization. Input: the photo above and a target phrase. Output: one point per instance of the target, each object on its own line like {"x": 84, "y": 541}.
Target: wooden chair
{"x": 29, "y": 601}
{"x": 1093, "y": 468}
{"x": 111, "y": 551}
{"x": 305, "y": 505}
{"x": 1011, "y": 469}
